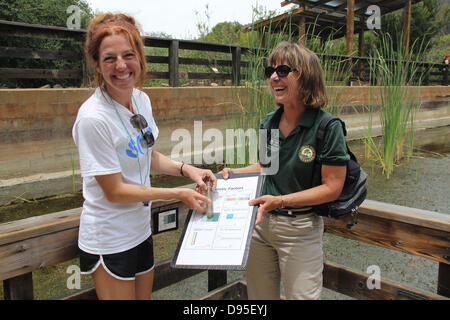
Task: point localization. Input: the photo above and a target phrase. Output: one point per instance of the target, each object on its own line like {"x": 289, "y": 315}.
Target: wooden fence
{"x": 38, "y": 242}
{"x": 214, "y": 64}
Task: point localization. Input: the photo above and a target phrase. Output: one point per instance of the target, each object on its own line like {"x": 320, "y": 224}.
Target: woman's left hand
{"x": 266, "y": 203}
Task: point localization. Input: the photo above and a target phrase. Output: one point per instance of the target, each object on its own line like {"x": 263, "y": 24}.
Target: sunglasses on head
{"x": 282, "y": 71}
{"x": 138, "y": 122}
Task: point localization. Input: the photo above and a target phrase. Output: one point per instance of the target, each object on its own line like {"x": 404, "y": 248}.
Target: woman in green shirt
{"x": 287, "y": 240}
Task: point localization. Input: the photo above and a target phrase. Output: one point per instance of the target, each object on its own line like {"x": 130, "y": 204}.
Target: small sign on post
{"x": 165, "y": 221}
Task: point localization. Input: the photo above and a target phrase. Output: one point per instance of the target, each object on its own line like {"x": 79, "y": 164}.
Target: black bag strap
{"x": 320, "y": 135}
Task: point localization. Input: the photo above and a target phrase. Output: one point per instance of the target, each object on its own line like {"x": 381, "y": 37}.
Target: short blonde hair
{"x": 107, "y": 24}
{"x": 313, "y": 91}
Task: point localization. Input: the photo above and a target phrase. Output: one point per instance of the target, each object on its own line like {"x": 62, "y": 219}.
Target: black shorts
{"x": 123, "y": 265}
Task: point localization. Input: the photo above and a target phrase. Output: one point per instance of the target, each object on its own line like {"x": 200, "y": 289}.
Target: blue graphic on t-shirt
{"x": 135, "y": 147}
{"x": 131, "y": 151}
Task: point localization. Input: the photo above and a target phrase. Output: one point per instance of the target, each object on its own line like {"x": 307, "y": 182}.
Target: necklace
{"x": 113, "y": 103}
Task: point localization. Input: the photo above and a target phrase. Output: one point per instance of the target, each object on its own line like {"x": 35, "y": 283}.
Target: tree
{"x": 426, "y": 22}
{"x": 43, "y": 12}
{"x": 439, "y": 49}
{"x": 225, "y": 33}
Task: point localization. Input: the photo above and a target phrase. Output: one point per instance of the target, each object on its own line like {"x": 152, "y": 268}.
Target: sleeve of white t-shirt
{"x": 95, "y": 147}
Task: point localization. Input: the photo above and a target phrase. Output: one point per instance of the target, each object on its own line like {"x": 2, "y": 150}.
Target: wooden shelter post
{"x": 406, "y": 27}
{"x": 361, "y": 49}
{"x": 263, "y": 38}
{"x": 361, "y": 39}
{"x": 302, "y": 30}
{"x": 350, "y": 26}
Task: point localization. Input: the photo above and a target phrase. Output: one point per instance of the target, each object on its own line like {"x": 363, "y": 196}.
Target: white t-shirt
{"x": 107, "y": 143}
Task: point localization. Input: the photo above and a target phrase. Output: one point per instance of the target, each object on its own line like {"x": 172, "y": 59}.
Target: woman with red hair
{"x": 115, "y": 132}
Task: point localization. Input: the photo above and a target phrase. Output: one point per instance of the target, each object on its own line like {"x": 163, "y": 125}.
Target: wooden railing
{"x": 35, "y": 243}
{"x": 434, "y": 73}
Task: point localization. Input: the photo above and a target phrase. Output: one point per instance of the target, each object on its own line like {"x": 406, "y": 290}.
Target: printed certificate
{"x": 221, "y": 241}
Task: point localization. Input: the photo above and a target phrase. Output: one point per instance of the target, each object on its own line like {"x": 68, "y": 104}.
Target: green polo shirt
{"x": 297, "y": 151}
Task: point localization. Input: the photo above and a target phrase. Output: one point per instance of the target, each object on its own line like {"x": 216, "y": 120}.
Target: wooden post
{"x": 87, "y": 73}
{"x": 444, "y": 279}
{"x": 302, "y": 30}
{"x": 19, "y": 288}
{"x": 236, "y": 62}
{"x": 263, "y": 38}
{"x": 361, "y": 40}
{"x": 445, "y": 75}
{"x": 173, "y": 63}
{"x": 350, "y": 26}
{"x": 361, "y": 49}
{"x": 426, "y": 71}
{"x": 216, "y": 279}
{"x": 406, "y": 28}
{"x": 323, "y": 38}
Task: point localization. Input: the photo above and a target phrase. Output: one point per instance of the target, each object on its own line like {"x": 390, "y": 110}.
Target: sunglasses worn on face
{"x": 282, "y": 71}
{"x": 138, "y": 122}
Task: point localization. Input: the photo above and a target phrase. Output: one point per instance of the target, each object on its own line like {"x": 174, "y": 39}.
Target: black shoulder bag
{"x": 354, "y": 191}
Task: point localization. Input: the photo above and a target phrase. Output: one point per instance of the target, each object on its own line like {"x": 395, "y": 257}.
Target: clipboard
{"x": 221, "y": 242}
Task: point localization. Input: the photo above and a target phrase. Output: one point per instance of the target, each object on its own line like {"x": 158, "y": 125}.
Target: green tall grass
{"x": 394, "y": 71}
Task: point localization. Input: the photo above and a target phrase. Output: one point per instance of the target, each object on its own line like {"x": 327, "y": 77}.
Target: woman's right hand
{"x": 193, "y": 199}
{"x": 226, "y": 173}
{"x": 253, "y": 168}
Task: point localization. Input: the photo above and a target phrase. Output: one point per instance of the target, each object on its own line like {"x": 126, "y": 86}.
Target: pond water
{"x": 422, "y": 182}
{"x": 62, "y": 202}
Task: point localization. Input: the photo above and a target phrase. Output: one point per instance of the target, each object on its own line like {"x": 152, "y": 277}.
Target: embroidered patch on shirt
{"x": 307, "y": 153}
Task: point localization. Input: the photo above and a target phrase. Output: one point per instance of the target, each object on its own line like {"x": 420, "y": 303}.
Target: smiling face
{"x": 286, "y": 90}
{"x": 118, "y": 64}
{"x": 307, "y": 85}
